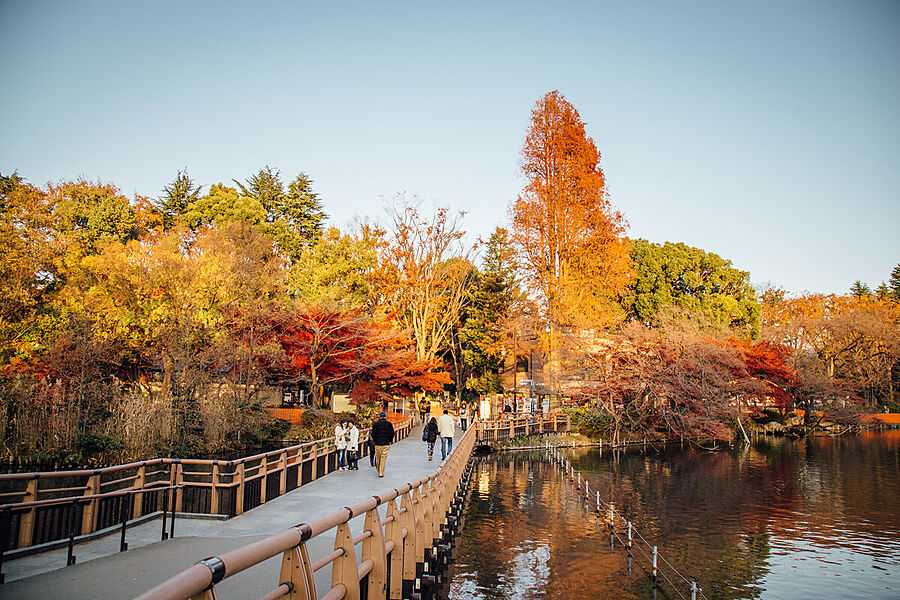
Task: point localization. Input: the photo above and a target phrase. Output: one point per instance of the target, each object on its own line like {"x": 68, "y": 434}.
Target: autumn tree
{"x": 692, "y": 281}
{"x": 568, "y": 234}
{"x": 423, "y": 275}
{"x": 326, "y": 345}
{"x": 87, "y": 215}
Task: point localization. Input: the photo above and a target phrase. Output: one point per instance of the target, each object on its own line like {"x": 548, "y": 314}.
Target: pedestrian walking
{"x": 382, "y": 435}
{"x": 429, "y": 436}
{"x": 353, "y": 447}
{"x": 447, "y": 429}
{"x": 340, "y": 442}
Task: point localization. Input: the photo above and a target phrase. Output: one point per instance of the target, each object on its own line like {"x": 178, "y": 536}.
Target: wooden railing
{"x": 512, "y": 427}
{"x": 399, "y": 552}
{"x": 211, "y": 487}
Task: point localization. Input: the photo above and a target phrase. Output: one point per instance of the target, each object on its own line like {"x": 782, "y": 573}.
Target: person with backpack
{"x": 429, "y": 435}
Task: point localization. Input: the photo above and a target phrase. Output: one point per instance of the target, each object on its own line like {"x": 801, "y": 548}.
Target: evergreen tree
{"x": 859, "y": 290}
{"x": 265, "y": 186}
{"x": 883, "y": 292}
{"x": 176, "y": 197}
{"x": 894, "y": 283}
{"x": 492, "y": 298}
{"x": 294, "y": 220}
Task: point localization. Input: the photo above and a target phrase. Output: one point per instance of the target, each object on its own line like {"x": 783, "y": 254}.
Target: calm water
{"x": 815, "y": 518}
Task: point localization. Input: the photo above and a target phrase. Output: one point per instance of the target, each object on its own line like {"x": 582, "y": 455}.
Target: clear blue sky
{"x": 767, "y": 132}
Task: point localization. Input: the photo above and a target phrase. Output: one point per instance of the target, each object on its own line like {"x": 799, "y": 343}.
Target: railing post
{"x": 214, "y": 485}
{"x": 653, "y": 571}
{"x": 630, "y": 539}
{"x": 408, "y": 523}
{"x": 239, "y": 499}
{"x": 693, "y": 590}
{"x": 26, "y": 524}
{"x": 264, "y": 481}
{"x": 177, "y": 493}
{"x": 393, "y": 531}
{"x": 373, "y": 547}
{"x": 297, "y": 570}
{"x": 139, "y": 483}
{"x": 282, "y": 474}
{"x": 343, "y": 569}
{"x": 88, "y": 518}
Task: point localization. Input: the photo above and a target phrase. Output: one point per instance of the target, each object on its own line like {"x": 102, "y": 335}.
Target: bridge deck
{"x": 103, "y": 573}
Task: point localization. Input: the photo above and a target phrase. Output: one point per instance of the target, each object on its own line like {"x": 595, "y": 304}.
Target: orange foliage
{"x": 568, "y": 234}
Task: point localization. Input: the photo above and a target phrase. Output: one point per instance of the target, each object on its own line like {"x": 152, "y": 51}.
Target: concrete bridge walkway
{"x": 103, "y": 573}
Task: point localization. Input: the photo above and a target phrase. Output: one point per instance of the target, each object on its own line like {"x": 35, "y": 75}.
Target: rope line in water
{"x": 567, "y": 470}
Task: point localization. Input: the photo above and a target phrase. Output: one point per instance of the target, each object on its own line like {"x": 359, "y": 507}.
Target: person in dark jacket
{"x": 382, "y": 435}
{"x": 431, "y": 433}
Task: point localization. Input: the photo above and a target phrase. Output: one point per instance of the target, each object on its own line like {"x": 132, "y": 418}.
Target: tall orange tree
{"x": 568, "y": 233}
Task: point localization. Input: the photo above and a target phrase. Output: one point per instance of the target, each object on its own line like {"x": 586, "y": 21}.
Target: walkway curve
{"x": 102, "y": 573}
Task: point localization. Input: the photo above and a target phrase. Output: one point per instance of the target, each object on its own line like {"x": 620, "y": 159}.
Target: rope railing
{"x": 617, "y": 523}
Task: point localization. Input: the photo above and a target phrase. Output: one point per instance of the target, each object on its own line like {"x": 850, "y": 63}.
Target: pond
{"x": 779, "y": 519}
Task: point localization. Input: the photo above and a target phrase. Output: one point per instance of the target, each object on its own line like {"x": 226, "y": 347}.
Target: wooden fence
{"x": 205, "y": 487}
{"x": 401, "y": 555}
{"x": 512, "y": 427}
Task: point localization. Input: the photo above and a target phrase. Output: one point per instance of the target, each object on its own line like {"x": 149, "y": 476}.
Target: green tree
{"x": 176, "y": 197}
{"x": 860, "y": 290}
{"x": 294, "y": 219}
{"x": 894, "y": 283}
{"x": 335, "y": 270}
{"x": 224, "y": 204}
{"x": 677, "y": 276}
{"x": 87, "y": 215}
{"x": 491, "y": 299}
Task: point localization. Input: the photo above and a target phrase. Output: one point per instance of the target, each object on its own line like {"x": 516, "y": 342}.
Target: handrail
{"x": 397, "y": 543}
{"x": 210, "y": 486}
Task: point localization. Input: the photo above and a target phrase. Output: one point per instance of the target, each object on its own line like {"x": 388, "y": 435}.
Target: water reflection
{"x": 815, "y": 518}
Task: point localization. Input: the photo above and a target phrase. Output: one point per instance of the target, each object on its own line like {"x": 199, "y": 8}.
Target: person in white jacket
{"x": 340, "y": 442}
{"x": 446, "y": 429}
{"x": 353, "y": 447}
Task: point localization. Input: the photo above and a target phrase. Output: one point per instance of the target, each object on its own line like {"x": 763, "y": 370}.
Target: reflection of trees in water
{"x": 526, "y": 537}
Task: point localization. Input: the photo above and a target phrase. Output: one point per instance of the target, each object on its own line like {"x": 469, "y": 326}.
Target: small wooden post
{"x": 214, "y": 484}
{"x": 88, "y": 518}
{"x": 26, "y": 525}
{"x": 264, "y": 483}
{"x": 239, "y": 500}
{"x": 139, "y": 483}
{"x": 177, "y": 492}
{"x": 282, "y": 477}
